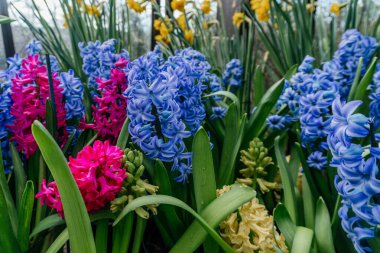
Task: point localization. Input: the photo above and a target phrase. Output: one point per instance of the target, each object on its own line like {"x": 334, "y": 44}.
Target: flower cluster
{"x": 109, "y": 109}
{"x": 99, "y": 174}
{"x": 165, "y": 104}
{"x": 30, "y": 90}
{"x": 164, "y": 27}
{"x": 310, "y": 93}
{"x": 73, "y": 93}
{"x": 375, "y": 98}
{"x": 233, "y": 74}
{"x": 345, "y": 62}
{"x": 251, "y": 229}
{"x": 356, "y": 181}
{"x": 256, "y": 159}
{"x": 98, "y": 59}
{"x": 261, "y": 9}
{"x": 136, "y": 6}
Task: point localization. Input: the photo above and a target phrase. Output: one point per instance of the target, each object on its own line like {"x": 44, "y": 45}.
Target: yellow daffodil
{"x": 189, "y": 36}
{"x": 178, "y": 5}
{"x": 206, "y": 7}
{"x": 250, "y": 229}
{"x": 261, "y": 8}
{"x": 182, "y": 22}
{"x": 136, "y": 6}
{"x": 92, "y": 10}
{"x": 310, "y": 7}
{"x": 336, "y": 8}
{"x": 204, "y": 25}
{"x": 165, "y": 28}
{"x": 238, "y": 18}
{"x": 160, "y": 38}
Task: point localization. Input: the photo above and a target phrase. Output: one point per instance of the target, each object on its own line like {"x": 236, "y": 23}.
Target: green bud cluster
{"x": 256, "y": 159}
{"x": 134, "y": 186}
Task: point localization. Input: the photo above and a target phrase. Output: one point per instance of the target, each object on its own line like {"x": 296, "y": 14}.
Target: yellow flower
{"x": 206, "y": 7}
{"x": 164, "y": 27}
{"x": 250, "y": 229}
{"x": 92, "y": 10}
{"x": 310, "y": 7}
{"x": 238, "y": 19}
{"x": 160, "y": 38}
{"x": 335, "y": 8}
{"x": 182, "y": 22}
{"x": 136, "y": 6}
{"x": 204, "y": 25}
{"x": 178, "y": 5}
{"x": 189, "y": 36}
{"x": 261, "y": 8}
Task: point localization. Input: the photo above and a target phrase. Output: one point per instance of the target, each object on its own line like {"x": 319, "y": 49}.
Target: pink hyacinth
{"x": 30, "y": 90}
{"x": 99, "y": 174}
{"x": 109, "y": 111}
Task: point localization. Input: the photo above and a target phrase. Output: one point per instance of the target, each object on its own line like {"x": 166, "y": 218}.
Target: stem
{"x": 51, "y": 88}
{"x": 41, "y": 176}
{"x": 139, "y": 234}
{"x": 334, "y": 221}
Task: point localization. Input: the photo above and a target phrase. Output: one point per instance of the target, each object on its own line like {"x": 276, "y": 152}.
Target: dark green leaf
{"x": 25, "y": 216}
{"x": 323, "y": 228}
{"x": 285, "y": 224}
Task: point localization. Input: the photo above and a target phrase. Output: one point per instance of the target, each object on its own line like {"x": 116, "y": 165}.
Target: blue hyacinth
{"x": 345, "y": 62}
{"x": 35, "y": 47}
{"x": 165, "y": 104}
{"x": 98, "y": 59}
{"x": 73, "y": 92}
{"x": 375, "y": 97}
{"x": 233, "y": 74}
{"x": 356, "y": 181}
{"x": 218, "y": 112}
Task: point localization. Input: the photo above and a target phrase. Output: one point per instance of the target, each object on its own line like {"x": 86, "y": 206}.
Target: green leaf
{"x": 20, "y": 176}
{"x": 355, "y": 84}
{"x": 359, "y": 93}
{"x": 227, "y": 94}
{"x": 8, "y": 196}
{"x": 303, "y": 239}
{"x": 77, "y": 219}
{"x": 231, "y": 145}
{"x": 214, "y": 214}
{"x": 5, "y": 20}
{"x": 203, "y": 170}
{"x": 287, "y": 182}
{"x": 8, "y": 241}
{"x": 123, "y": 136}
{"x": 101, "y": 236}
{"x": 210, "y": 217}
{"x": 48, "y": 222}
{"x": 204, "y": 177}
{"x": 259, "y": 85}
{"x": 59, "y": 242}
{"x": 323, "y": 228}
{"x": 167, "y": 214}
{"x": 285, "y": 224}
{"x": 25, "y": 216}
{"x": 308, "y": 203}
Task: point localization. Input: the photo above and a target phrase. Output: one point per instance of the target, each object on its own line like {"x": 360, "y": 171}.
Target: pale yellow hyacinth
{"x": 251, "y": 229}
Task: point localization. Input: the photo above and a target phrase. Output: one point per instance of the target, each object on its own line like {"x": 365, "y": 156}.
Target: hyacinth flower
{"x": 98, "y": 59}
{"x": 99, "y": 173}
{"x": 233, "y": 74}
{"x": 73, "y": 94}
{"x": 30, "y": 90}
{"x": 357, "y": 180}
{"x": 165, "y": 104}
{"x": 109, "y": 108}
{"x": 375, "y": 97}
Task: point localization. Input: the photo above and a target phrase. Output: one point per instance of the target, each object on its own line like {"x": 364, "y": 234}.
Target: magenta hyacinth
{"x": 110, "y": 109}
{"x": 30, "y": 90}
{"x": 99, "y": 174}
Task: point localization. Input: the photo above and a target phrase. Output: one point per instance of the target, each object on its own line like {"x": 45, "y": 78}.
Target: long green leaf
{"x": 8, "y": 241}
{"x": 214, "y": 214}
{"x": 48, "y": 222}
{"x": 8, "y": 196}
{"x": 259, "y": 85}
{"x": 303, "y": 239}
{"x": 101, "y": 236}
{"x": 25, "y": 216}
{"x": 287, "y": 182}
{"x": 59, "y": 242}
{"x": 285, "y": 224}
{"x": 204, "y": 177}
{"x": 77, "y": 219}
{"x": 123, "y": 136}
{"x": 322, "y": 229}
{"x": 366, "y": 80}
{"x": 355, "y": 84}
{"x": 5, "y": 20}
{"x": 308, "y": 203}
{"x": 20, "y": 176}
